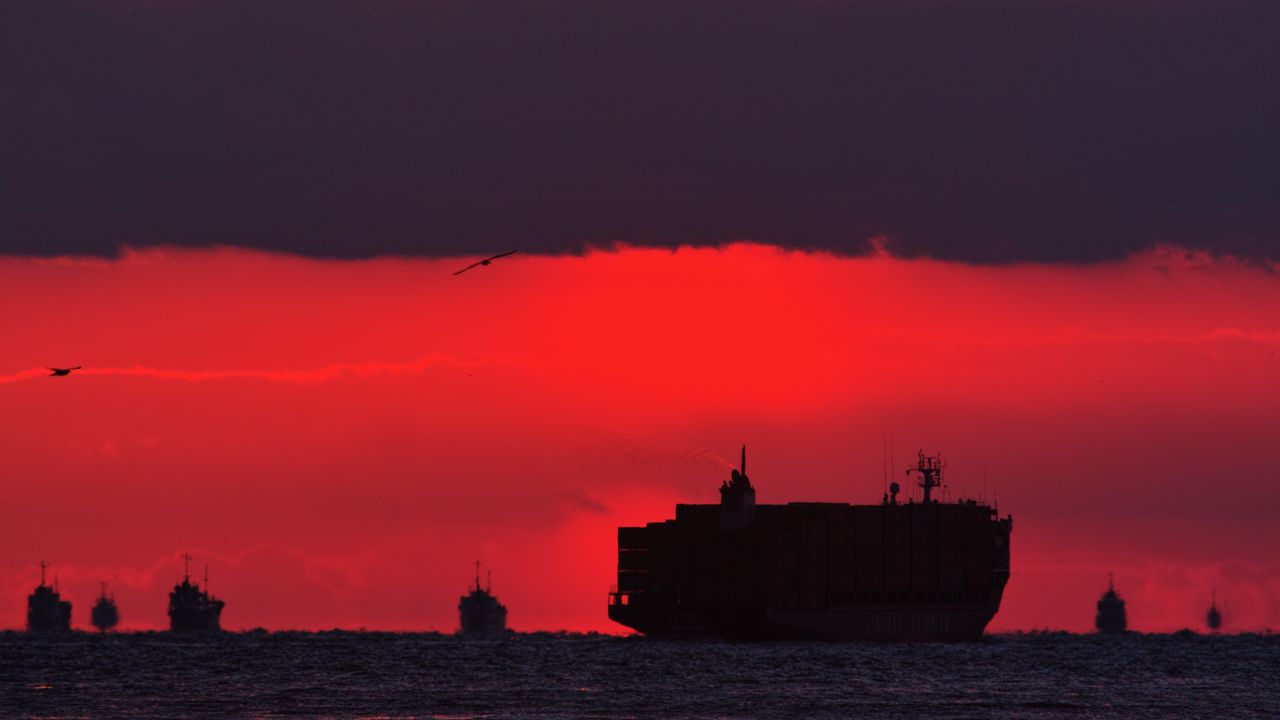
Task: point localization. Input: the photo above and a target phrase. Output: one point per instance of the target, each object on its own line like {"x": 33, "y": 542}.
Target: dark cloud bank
{"x": 1059, "y": 130}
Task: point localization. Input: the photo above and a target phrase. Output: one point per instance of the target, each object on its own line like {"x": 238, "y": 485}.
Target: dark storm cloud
{"x": 1064, "y": 130}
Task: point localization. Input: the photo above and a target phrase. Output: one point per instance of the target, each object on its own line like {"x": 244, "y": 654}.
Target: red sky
{"x": 339, "y": 440}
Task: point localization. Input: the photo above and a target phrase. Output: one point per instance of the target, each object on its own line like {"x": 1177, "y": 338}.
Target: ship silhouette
{"x": 190, "y": 608}
{"x": 46, "y": 610}
{"x": 1213, "y": 618}
{"x": 808, "y": 570}
{"x": 105, "y": 615}
{"x": 480, "y": 615}
{"x": 1111, "y": 616}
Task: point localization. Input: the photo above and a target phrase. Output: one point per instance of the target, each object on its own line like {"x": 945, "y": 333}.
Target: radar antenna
{"x": 929, "y": 467}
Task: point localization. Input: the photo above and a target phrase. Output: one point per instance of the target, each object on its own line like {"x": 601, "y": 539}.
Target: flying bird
{"x": 61, "y": 372}
{"x": 486, "y": 261}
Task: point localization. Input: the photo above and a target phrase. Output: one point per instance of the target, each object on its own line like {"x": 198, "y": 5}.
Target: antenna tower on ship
{"x": 929, "y": 468}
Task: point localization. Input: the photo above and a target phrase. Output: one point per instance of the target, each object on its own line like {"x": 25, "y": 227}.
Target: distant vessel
{"x": 1110, "y": 617}
{"x": 105, "y": 615}
{"x": 1214, "y": 617}
{"x": 832, "y": 571}
{"x": 479, "y": 612}
{"x": 46, "y": 610}
{"x": 190, "y": 608}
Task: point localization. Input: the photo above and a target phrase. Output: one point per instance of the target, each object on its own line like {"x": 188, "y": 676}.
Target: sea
{"x": 544, "y": 675}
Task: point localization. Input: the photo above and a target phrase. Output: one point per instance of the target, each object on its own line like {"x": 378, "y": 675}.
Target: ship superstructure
{"x": 46, "y": 610}
{"x": 480, "y": 615}
{"x": 105, "y": 615}
{"x": 192, "y": 609}
{"x": 1111, "y": 616}
{"x": 736, "y": 569}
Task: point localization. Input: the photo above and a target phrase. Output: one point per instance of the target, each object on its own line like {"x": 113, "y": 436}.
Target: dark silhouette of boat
{"x": 46, "y": 610}
{"x": 192, "y": 609}
{"x": 479, "y": 612}
{"x": 1213, "y": 618}
{"x": 1110, "y": 617}
{"x": 831, "y": 571}
{"x": 105, "y": 615}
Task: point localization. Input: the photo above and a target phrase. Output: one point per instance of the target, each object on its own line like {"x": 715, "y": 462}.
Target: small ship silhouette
{"x": 62, "y": 372}
{"x": 105, "y": 615}
{"x": 46, "y": 610}
{"x": 190, "y": 608}
{"x": 1111, "y": 616}
{"x": 1213, "y": 618}
{"x": 480, "y": 614}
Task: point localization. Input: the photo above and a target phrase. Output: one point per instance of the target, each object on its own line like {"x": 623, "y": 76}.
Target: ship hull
{"x": 50, "y": 619}
{"x": 195, "y": 620}
{"x": 484, "y": 628}
{"x": 942, "y": 623}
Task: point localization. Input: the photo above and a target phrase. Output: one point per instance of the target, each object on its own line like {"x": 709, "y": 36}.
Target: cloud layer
{"x": 991, "y": 131}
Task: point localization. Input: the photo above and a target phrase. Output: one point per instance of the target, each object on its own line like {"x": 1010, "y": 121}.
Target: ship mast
{"x": 186, "y": 568}
{"x": 929, "y": 467}
{"x": 737, "y": 497}
{"x": 43, "y": 566}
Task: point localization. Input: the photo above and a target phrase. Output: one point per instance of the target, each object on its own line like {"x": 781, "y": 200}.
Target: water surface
{"x": 392, "y": 675}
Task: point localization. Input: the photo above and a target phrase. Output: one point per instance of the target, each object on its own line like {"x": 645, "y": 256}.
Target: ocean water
{"x": 390, "y": 675}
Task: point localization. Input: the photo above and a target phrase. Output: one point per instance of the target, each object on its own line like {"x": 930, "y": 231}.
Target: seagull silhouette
{"x": 486, "y": 261}
{"x": 61, "y": 372}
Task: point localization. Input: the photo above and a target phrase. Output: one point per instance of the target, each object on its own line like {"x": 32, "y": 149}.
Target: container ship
{"x": 46, "y": 610}
{"x": 192, "y": 609}
{"x": 480, "y": 615}
{"x": 919, "y": 569}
